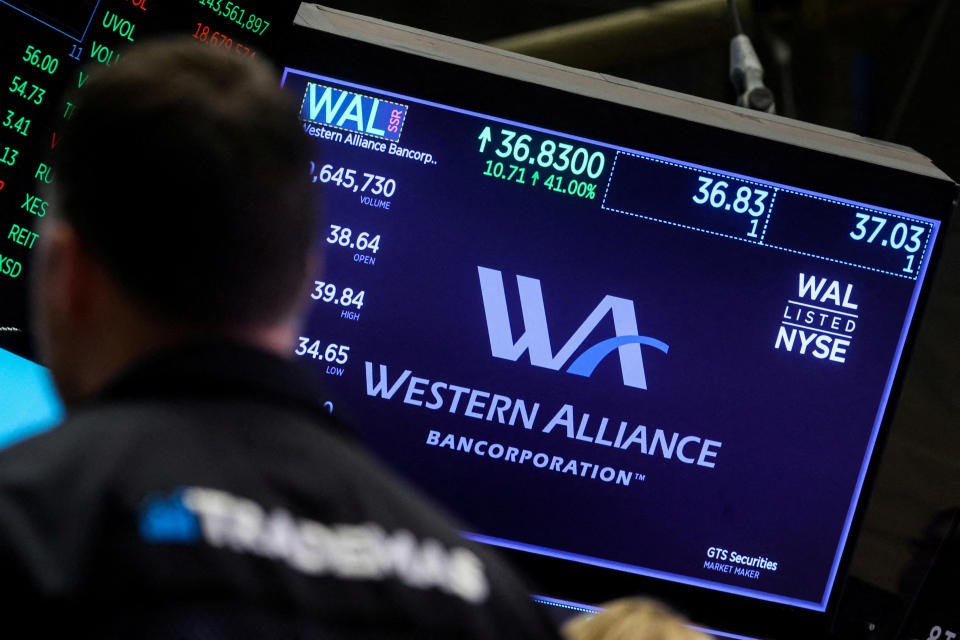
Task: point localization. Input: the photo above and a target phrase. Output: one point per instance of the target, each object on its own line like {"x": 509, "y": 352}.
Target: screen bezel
{"x": 366, "y": 63}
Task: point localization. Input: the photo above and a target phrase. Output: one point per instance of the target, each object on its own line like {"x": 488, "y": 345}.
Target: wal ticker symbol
{"x": 353, "y": 112}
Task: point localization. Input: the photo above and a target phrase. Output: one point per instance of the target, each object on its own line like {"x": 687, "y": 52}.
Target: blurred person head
{"x": 631, "y": 619}
{"x": 180, "y": 210}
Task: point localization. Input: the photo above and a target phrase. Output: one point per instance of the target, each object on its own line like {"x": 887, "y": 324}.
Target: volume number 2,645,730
{"x": 348, "y": 179}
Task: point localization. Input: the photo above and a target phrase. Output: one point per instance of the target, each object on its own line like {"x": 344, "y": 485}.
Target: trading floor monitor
{"x": 641, "y": 342}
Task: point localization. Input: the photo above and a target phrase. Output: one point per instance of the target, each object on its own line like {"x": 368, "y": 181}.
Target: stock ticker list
{"x": 502, "y": 305}
{"x": 43, "y": 47}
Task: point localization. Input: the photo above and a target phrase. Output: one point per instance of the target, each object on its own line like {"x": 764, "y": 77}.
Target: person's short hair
{"x": 631, "y": 619}
{"x": 184, "y": 170}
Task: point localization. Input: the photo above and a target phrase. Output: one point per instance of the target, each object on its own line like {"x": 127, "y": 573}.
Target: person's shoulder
{"x": 276, "y": 486}
{"x": 51, "y": 501}
{"x": 423, "y": 548}
{"x": 68, "y": 440}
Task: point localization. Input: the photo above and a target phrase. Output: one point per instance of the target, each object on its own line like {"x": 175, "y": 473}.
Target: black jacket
{"x": 207, "y": 493}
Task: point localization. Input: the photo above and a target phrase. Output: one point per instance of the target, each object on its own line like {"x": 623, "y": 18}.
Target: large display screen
{"x": 597, "y": 353}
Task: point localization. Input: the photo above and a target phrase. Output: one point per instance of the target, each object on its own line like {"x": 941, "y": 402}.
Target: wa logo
{"x": 535, "y": 338}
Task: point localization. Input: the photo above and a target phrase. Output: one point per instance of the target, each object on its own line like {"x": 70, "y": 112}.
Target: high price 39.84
{"x": 329, "y": 292}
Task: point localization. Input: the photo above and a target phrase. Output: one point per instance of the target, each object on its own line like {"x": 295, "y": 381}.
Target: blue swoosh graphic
{"x": 589, "y": 359}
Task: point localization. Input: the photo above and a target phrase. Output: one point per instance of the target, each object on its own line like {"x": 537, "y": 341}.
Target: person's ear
{"x": 67, "y": 275}
{"x": 313, "y": 271}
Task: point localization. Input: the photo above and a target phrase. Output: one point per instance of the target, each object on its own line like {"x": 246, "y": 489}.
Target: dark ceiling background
{"x": 880, "y": 68}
